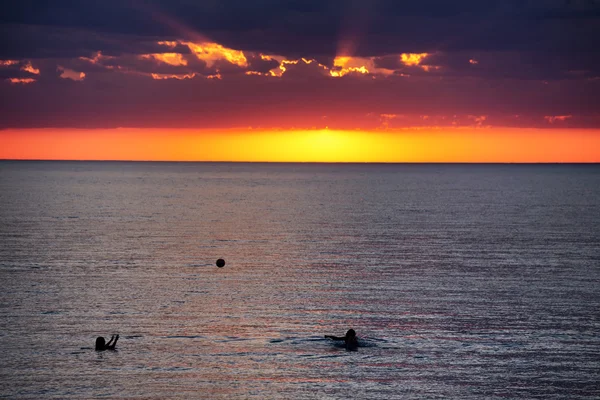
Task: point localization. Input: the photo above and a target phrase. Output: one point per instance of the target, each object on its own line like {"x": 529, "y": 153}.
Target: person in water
{"x": 350, "y": 339}
{"x": 101, "y": 345}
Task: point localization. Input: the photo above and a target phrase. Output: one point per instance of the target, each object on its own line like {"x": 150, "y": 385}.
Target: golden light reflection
{"x": 214, "y": 76}
{"x": 175, "y": 59}
{"x": 21, "y": 80}
{"x": 411, "y": 59}
{"x": 209, "y": 52}
{"x": 343, "y": 65}
{"x": 7, "y": 63}
{"x": 212, "y": 52}
{"x": 281, "y": 69}
{"x": 324, "y": 145}
{"x": 169, "y": 43}
{"x": 29, "y": 68}
{"x": 172, "y": 76}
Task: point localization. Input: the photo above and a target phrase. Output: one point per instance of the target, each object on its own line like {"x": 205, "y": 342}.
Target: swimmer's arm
{"x": 335, "y": 337}
{"x": 112, "y": 342}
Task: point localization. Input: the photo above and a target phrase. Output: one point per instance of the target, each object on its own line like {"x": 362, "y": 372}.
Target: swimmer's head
{"x": 100, "y": 343}
{"x": 350, "y": 333}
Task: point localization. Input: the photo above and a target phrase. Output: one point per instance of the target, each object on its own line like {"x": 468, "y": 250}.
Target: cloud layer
{"x": 266, "y": 63}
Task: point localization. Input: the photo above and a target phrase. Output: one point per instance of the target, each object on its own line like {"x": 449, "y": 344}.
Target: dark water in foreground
{"x": 463, "y": 281}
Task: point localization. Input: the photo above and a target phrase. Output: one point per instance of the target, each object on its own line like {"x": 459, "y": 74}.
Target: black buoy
{"x": 220, "y": 263}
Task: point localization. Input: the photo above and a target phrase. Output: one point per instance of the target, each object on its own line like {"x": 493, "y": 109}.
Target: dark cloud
{"x": 533, "y": 65}
{"x": 303, "y": 70}
{"x": 314, "y": 27}
{"x": 258, "y": 64}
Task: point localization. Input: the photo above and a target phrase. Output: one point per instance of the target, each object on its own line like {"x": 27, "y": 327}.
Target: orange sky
{"x": 408, "y": 145}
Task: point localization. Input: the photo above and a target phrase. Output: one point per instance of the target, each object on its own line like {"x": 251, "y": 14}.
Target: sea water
{"x": 461, "y": 281}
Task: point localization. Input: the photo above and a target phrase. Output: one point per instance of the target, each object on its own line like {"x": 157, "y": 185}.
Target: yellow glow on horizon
{"x": 317, "y": 145}
{"x": 325, "y": 145}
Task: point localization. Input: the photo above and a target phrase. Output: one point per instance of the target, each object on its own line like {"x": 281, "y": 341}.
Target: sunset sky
{"x": 301, "y": 80}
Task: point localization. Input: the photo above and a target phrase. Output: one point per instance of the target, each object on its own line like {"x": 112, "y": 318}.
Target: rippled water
{"x": 462, "y": 281}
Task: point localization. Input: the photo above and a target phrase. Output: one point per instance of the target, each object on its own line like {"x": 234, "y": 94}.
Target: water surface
{"x": 463, "y": 281}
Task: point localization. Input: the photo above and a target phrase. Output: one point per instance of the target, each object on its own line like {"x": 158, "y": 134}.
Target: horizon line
{"x": 313, "y": 162}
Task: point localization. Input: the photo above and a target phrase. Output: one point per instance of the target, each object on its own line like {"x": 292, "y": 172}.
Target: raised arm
{"x": 112, "y": 342}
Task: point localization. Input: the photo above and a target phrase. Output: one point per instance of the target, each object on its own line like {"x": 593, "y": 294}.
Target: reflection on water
{"x": 461, "y": 281}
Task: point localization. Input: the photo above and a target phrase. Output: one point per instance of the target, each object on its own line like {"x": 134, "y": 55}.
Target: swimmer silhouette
{"x": 101, "y": 345}
{"x": 350, "y": 339}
